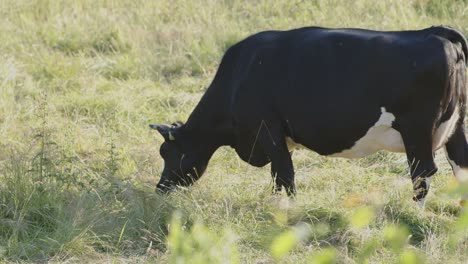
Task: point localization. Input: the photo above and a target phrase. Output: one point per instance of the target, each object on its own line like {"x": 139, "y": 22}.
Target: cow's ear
{"x": 177, "y": 124}
{"x": 165, "y": 130}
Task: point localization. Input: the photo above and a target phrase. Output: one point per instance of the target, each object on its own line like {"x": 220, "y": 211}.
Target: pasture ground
{"x": 81, "y": 80}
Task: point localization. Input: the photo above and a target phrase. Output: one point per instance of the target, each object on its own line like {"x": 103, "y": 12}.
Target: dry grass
{"x": 81, "y": 80}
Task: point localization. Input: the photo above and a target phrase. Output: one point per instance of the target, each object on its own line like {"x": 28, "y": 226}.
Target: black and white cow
{"x": 339, "y": 92}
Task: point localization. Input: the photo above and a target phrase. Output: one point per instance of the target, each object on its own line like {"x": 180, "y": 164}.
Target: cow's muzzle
{"x": 165, "y": 187}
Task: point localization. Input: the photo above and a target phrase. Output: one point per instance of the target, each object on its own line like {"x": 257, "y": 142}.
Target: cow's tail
{"x": 455, "y": 37}
{"x": 455, "y": 92}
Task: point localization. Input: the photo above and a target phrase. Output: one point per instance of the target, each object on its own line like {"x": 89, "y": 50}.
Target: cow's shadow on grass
{"x": 258, "y": 222}
{"x": 324, "y": 227}
{"x": 328, "y": 226}
{"x": 421, "y": 223}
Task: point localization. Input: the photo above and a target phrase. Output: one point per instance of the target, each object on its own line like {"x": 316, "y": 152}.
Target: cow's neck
{"x": 209, "y": 121}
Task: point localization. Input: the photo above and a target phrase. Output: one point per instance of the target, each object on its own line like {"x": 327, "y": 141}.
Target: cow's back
{"x": 329, "y": 86}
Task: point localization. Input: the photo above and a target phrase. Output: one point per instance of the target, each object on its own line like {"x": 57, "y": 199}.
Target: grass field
{"x": 81, "y": 80}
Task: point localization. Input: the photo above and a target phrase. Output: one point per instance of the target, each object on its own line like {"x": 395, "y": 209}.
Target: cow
{"x": 339, "y": 92}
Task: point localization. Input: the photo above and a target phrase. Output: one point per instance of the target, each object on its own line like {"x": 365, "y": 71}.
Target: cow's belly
{"x": 377, "y": 138}
{"x": 381, "y": 136}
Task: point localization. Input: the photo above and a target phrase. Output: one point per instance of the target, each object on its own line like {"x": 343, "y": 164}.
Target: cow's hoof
{"x": 420, "y": 202}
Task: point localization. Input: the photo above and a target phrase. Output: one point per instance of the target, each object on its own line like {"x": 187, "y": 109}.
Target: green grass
{"x": 81, "y": 80}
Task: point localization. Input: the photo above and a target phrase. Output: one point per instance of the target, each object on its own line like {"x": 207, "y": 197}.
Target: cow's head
{"x": 185, "y": 159}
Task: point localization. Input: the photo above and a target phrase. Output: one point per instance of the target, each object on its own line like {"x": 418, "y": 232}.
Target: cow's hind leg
{"x": 457, "y": 155}
{"x": 418, "y": 145}
{"x": 282, "y": 170}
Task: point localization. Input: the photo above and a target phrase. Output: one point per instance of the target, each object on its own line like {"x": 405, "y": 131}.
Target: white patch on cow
{"x": 445, "y": 130}
{"x": 380, "y": 136}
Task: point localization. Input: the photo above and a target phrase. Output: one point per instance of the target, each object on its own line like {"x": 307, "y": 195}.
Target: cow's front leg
{"x": 418, "y": 146}
{"x": 277, "y": 187}
{"x": 282, "y": 170}
{"x": 457, "y": 155}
